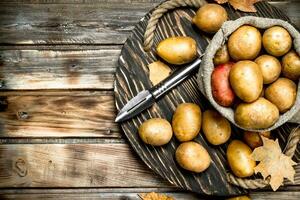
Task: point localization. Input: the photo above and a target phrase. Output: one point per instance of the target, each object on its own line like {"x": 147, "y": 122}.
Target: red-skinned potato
{"x": 221, "y": 89}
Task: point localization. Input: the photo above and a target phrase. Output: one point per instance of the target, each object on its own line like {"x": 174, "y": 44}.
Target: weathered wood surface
{"x": 77, "y": 165}
{"x": 52, "y": 69}
{"x": 74, "y": 44}
{"x": 58, "y": 114}
{"x": 100, "y": 22}
{"x": 129, "y": 194}
{"x": 73, "y": 165}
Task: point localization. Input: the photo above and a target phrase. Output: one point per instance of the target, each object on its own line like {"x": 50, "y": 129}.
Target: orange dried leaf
{"x": 273, "y": 163}
{"x": 243, "y": 5}
{"x": 155, "y": 196}
{"x": 158, "y": 71}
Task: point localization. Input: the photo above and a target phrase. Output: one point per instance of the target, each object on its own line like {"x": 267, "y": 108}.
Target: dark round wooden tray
{"x": 132, "y": 77}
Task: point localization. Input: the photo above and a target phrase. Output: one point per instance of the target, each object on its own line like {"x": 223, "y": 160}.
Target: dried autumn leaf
{"x": 273, "y": 163}
{"x": 158, "y": 71}
{"x": 155, "y": 196}
{"x": 243, "y": 5}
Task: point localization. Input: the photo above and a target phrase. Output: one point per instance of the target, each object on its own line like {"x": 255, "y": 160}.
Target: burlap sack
{"x": 207, "y": 66}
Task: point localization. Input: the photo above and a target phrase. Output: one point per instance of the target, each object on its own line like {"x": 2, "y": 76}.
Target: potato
{"x": 256, "y": 115}
{"x": 240, "y": 198}
{"x": 156, "y": 131}
{"x": 282, "y": 93}
{"x": 239, "y": 159}
{"x": 270, "y": 68}
{"x": 221, "y": 56}
{"x": 177, "y": 50}
{"x": 221, "y": 89}
{"x": 277, "y": 41}
{"x": 186, "y": 121}
{"x": 244, "y": 43}
{"x": 246, "y": 80}
{"x": 192, "y": 156}
{"x": 253, "y": 139}
{"x": 291, "y": 65}
{"x": 216, "y": 128}
{"x": 210, "y": 17}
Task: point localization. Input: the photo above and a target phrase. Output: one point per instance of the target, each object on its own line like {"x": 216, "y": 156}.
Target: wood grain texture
{"x": 73, "y": 165}
{"x": 58, "y": 69}
{"x": 128, "y": 194}
{"x": 97, "y": 23}
{"x": 77, "y": 165}
{"x": 58, "y": 114}
{"x": 88, "y": 22}
{"x": 132, "y": 77}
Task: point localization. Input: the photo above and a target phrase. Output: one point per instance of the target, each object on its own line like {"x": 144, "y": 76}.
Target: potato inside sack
{"x": 277, "y": 41}
{"x": 244, "y": 43}
{"x": 282, "y": 93}
{"x": 259, "y": 114}
{"x": 291, "y": 65}
{"x": 221, "y": 89}
{"x": 246, "y": 80}
{"x": 270, "y": 67}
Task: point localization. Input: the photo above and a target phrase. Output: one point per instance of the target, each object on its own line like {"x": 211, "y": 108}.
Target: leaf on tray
{"x": 155, "y": 196}
{"x": 158, "y": 71}
{"x": 243, "y": 5}
{"x": 273, "y": 163}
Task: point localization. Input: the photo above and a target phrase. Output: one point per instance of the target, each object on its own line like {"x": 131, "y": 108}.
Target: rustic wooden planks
{"x": 58, "y": 114}
{"x": 58, "y": 69}
{"x": 73, "y": 165}
{"x": 98, "y": 23}
{"x": 91, "y": 22}
{"x": 77, "y": 165}
{"x": 128, "y": 194}
{"x": 80, "y": 37}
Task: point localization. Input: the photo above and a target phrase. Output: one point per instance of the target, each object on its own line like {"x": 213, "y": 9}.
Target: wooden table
{"x": 57, "y": 135}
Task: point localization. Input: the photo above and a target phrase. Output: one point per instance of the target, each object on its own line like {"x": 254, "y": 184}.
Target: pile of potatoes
{"x": 256, "y": 73}
{"x": 187, "y": 122}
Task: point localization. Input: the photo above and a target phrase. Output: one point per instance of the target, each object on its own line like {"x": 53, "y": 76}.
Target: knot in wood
{"x": 21, "y": 167}
{"x": 22, "y": 115}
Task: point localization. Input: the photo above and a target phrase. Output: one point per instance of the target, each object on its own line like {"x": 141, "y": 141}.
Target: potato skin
{"x": 246, "y": 80}
{"x": 192, "y": 156}
{"x": 282, "y": 93}
{"x": 253, "y": 139}
{"x": 291, "y": 65}
{"x": 156, "y": 131}
{"x": 221, "y": 56}
{"x": 270, "y": 68}
{"x": 186, "y": 121}
{"x": 177, "y": 50}
{"x": 221, "y": 89}
{"x": 277, "y": 41}
{"x": 239, "y": 159}
{"x": 244, "y": 43}
{"x": 216, "y": 128}
{"x": 256, "y": 115}
{"x": 210, "y": 17}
